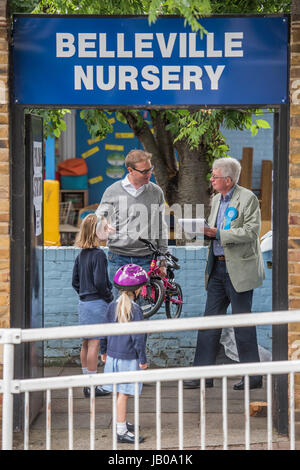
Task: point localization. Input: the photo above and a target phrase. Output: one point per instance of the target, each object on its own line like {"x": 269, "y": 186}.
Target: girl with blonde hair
{"x": 125, "y": 352}
{"x": 91, "y": 282}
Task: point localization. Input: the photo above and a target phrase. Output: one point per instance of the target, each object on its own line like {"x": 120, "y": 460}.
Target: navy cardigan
{"x": 90, "y": 278}
{"x": 128, "y": 347}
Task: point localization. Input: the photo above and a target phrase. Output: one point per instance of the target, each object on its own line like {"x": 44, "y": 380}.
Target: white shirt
{"x": 132, "y": 189}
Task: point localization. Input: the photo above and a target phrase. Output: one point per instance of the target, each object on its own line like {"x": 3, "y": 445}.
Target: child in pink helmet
{"x": 125, "y": 352}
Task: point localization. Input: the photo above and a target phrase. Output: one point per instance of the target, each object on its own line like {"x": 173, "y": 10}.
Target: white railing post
{"x": 48, "y": 420}
{"x": 269, "y": 410}
{"x": 180, "y": 414}
{"x": 8, "y": 399}
{"x": 92, "y": 417}
{"x": 136, "y": 416}
{"x": 247, "y": 412}
{"x": 70, "y": 418}
{"x": 114, "y": 417}
{"x": 292, "y": 411}
{"x": 202, "y": 414}
{"x": 158, "y": 415}
{"x": 26, "y": 421}
{"x": 224, "y": 413}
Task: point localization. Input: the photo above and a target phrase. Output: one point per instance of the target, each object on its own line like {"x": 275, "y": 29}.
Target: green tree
{"x": 193, "y": 134}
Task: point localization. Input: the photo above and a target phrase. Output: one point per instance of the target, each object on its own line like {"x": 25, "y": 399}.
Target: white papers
{"x": 193, "y": 226}
{"x": 37, "y": 185}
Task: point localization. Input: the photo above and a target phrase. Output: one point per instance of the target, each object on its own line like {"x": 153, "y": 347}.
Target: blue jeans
{"x": 220, "y": 294}
{"x": 115, "y": 261}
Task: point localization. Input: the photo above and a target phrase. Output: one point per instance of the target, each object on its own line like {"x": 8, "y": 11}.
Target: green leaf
{"x": 120, "y": 117}
{"x": 254, "y": 129}
{"x": 263, "y": 124}
{"x": 62, "y": 125}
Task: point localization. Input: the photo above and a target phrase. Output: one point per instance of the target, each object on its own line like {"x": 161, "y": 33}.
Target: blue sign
{"x": 124, "y": 61}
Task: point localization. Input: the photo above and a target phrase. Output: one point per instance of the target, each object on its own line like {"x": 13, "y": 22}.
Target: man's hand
{"x": 143, "y": 366}
{"x": 103, "y": 357}
{"x": 104, "y": 229}
{"x": 210, "y": 232}
{"x": 162, "y": 267}
{"x": 109, "y": 228}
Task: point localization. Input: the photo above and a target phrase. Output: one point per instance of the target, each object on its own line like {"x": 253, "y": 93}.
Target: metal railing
{"x": 10, "y": 386}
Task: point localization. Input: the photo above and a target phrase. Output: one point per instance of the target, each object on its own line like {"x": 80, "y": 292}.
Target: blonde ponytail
{"x": 123, "y": 310}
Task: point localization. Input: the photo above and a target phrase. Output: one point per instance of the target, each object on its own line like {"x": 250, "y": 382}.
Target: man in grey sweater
{"x": 131, "y": 208}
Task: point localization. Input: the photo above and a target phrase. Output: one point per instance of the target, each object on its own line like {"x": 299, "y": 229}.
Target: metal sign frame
{"x": 280, "y": 217}
{"x": 112, "y": 60}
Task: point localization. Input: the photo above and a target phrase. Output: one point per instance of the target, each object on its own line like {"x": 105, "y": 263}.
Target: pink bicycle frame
{"x": 155, "y": 271}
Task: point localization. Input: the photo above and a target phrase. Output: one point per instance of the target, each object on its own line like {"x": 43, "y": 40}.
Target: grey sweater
{"x": 133, "y": 217}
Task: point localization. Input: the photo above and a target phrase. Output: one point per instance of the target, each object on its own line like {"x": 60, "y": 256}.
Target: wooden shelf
{"x": 79, "y": 197}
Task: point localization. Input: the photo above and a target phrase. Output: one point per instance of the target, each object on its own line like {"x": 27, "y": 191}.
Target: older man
{"x": 234, "y": 266}
{"x": 136, "y": 208}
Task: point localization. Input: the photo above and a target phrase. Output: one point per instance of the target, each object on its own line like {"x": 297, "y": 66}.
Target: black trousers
{"x": 220, "y": 294}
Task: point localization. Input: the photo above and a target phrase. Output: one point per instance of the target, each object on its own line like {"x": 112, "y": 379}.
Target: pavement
{"x": 169, "y": 419}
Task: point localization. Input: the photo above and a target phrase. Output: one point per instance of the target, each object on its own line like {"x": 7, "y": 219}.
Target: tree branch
{"x": 145, "y": 136}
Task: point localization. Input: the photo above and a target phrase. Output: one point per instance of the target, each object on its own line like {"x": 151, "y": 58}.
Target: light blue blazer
{"x": 241, "y": 245}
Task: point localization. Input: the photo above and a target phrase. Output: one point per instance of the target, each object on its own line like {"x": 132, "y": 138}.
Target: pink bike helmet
{"x": 130, "y": 277}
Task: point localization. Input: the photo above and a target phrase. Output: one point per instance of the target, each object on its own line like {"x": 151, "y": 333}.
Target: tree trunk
{"x": 147, "y": 139}
{"x": 193, "y": 187}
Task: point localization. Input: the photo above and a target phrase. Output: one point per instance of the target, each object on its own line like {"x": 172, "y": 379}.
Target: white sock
{"x": 121, "y": 428}
{"x": 84, "y": 370}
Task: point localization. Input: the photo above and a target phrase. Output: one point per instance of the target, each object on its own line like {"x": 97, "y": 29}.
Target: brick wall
{"x": 4, "y": 179}
{"x": 164, "y": 349}
{"x": 294, "y": 203}
{"x": 4, "y": 171}
{"x": 294, "y": 193}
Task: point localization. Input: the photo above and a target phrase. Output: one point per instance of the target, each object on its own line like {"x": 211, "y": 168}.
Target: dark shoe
{"x": 130, "y": 427}
{"x": 209, "y": 383}
{"x": 128, "y": 438}
{"x": 99, "y": 392}
{"x": 253, "y": 383}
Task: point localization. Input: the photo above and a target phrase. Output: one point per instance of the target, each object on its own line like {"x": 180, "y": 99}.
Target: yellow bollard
{"x": 51, "y": 213}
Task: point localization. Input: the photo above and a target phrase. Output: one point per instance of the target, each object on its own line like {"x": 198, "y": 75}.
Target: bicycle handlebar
{"x": 150, "y": 245}
{"x": 158, "y": 252}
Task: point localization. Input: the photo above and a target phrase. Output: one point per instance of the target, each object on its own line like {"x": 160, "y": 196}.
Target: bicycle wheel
{"x": 174, "y": 301}
{"x": 152, "y": 297}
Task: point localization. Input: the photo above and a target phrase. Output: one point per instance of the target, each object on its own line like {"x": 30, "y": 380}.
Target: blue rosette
{"x": 230, "y": 214}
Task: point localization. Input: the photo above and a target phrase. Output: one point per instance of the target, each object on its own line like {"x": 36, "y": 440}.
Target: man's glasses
{"x": 144, "y": 172}
{"x": 217, "y": 177}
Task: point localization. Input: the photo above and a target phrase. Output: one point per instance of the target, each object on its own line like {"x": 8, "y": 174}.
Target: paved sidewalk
{"x": 169, "y": 419}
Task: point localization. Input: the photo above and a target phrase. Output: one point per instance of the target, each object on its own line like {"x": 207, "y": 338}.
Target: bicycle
{"x": 161, "y": 289}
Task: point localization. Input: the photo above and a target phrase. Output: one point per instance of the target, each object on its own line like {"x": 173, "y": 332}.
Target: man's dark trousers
{"x": 220, "y": 294}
